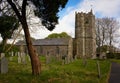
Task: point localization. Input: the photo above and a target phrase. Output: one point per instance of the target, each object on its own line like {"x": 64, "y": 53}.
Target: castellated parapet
{"x": 85, "y": 35}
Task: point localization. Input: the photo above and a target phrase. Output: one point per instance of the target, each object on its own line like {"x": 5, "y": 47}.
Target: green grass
{"x": 55, "y": 72}
{"x": 115, "y": 60}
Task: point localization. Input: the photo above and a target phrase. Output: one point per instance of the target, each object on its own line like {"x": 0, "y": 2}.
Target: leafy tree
{"x": 106, "y": 49}
{"x": 47, "y": 11}
{"x": 53, "y": 35}
{"x": 61, "y": 35}
{"x": 7, "y": 26}
{"x": 64, "y": 35}
{"x": 14, "y": 48}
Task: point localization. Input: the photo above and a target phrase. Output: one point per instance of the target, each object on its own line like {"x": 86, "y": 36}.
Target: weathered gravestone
{"x": 75, "y": 57}
{"x": 23, "y": 58}
{"x": 28, "y": 58}
{"x": 48, "y": 59}
{"x": 11, "y": 56}
{"x": 58, "y": 57}
{"x": 19, "y": 57}
{"x": 64, "y": 59}
{"x": 3, "y": 64}
{"x": 103, "y": 55}
{"x": 12, "y": 53}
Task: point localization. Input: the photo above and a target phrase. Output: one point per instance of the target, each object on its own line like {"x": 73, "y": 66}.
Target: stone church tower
{"x": 85, "y": 35}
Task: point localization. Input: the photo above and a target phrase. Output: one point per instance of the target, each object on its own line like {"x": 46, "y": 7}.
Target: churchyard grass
{"x": 115, "y": 60}
{"x": 74, "y": 72}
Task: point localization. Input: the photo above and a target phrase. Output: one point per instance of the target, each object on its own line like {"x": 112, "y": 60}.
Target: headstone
{"x": 2, "y": 55}
{"x": 103, "y": 55}
{"x": 57, "y": 57}
{"x": 75, "y": 57}
{"x": 64, "y": 59}
{"x": 28, "y": 57}
{"x": 3, "y": 64}
{"x": 23, "y": 58}
{"x": 19, "y": 57}
{"x": 10, "y": 58}
{"x": 71, "y": 59}
{"x": 47, "y": 59}
{"x": 12, "y": 53}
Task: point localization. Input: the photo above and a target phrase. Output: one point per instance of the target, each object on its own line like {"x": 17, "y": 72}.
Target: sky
{"x": 101, "y": 8}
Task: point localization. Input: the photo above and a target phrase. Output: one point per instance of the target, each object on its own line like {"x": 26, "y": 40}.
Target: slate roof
{"x": 47, "y": 42}
{"x": 20, "y": 43}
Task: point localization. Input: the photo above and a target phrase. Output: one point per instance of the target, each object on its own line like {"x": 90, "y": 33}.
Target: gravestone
{"x": 19, "y": 58}
{"x": 23, "y": 58}
{"x": 75, "y": 57}
{"x": 10, "y": 58}
{"x": 48, "y": 59}
{"x": 103, "y": 55}
{"x": 58, "y": 57}
{"x": 64, "y": 59}
{"x": 12, "y": 53}
{"x": 28, "y": 58}
{"x": 3, "y": 64}
{"x": 71, "y": 59}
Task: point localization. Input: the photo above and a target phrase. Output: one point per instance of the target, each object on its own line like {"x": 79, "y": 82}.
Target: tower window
{"x": 86, "y": 21}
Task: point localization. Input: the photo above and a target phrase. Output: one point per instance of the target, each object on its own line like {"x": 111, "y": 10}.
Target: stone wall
{"x": 52, "y": 50}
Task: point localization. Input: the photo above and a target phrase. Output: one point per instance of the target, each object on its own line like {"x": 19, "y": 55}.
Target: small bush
{"x": 113, "y": 55}
{"x": 110, "y": 55}
{"x": 117, "y": 55}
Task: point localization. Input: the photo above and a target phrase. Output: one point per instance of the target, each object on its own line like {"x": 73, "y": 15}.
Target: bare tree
{"x": 106, "y": 29}
{"x": 98, "y": 33}
{"x": 112, "y": 27}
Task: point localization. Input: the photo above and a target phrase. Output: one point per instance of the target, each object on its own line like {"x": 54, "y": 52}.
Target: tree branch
{"x": 15, "y": 9}
{"x": 24, "y": 9}
{"x": 14, "y": 40}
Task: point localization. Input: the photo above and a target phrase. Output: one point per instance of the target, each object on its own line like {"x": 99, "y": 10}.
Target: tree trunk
{"x": 4, "y": 42}
{"x": 35, "y": 63}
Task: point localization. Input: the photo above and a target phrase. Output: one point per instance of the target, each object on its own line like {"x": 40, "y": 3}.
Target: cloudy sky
{"x": 101, "y": 8}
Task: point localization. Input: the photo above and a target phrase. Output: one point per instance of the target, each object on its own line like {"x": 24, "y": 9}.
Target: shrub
{"x": 113, "y": 55}
{"x": 110, "y": 55}
{"x": 117, "y": 55}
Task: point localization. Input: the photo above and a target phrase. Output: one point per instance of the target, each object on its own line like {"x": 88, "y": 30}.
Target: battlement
{"x": 84, "y": 14}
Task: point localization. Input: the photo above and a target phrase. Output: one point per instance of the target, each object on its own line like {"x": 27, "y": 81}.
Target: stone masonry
{"x": 85, "y": 35}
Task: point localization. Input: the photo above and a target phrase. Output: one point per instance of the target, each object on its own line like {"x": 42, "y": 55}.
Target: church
{"x": 82, "y": 46}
